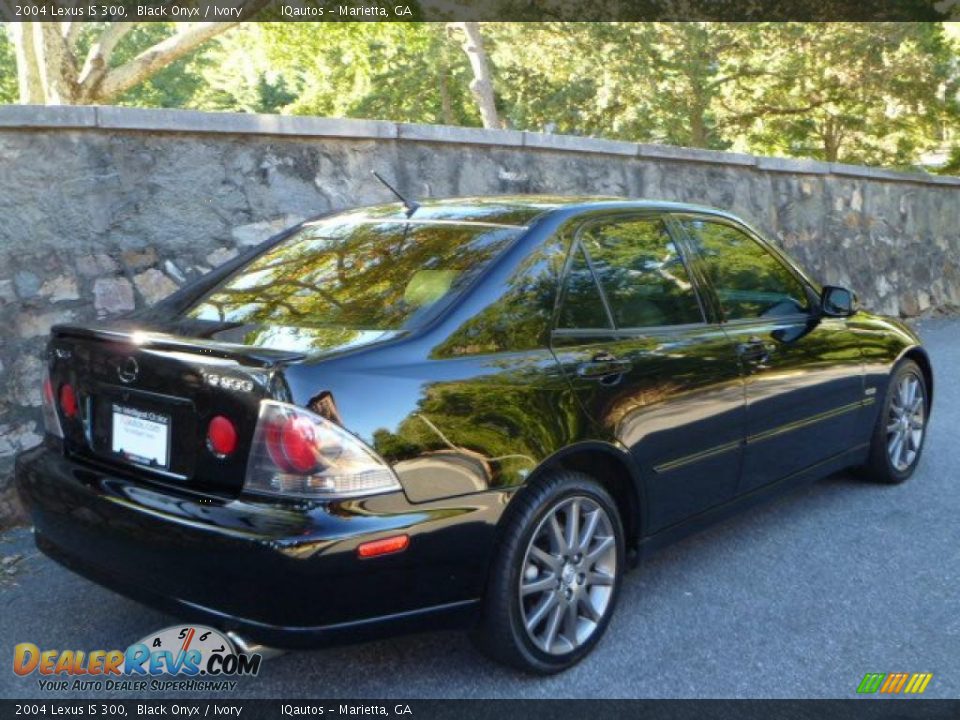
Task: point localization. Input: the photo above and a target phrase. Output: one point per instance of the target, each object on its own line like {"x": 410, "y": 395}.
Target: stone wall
{"x": 107, "y": 209}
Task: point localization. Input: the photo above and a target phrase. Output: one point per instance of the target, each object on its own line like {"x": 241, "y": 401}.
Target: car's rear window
{"x": 356, "y": 274}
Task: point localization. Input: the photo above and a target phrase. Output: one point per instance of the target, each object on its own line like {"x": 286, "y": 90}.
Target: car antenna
{"x": 411, "y": 205}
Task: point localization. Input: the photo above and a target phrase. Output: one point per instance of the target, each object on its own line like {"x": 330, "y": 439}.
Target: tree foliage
{"x": 8, "y": 70}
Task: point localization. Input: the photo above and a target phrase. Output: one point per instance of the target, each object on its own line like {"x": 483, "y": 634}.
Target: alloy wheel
{"x": 905, "y": 423}
{"x": 568, "y": 574}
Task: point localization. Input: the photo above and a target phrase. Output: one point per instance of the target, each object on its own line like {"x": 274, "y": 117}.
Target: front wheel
{"x": 901, "y": 426}
{"x": 556, "y": 576}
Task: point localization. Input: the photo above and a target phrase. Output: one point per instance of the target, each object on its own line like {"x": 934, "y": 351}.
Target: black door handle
{"x": 603, "y": 365}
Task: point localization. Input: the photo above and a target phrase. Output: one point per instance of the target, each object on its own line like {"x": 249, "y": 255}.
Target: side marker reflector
{"x": 395, "y": 544}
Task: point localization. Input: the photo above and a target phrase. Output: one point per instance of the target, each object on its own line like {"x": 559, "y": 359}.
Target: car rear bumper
{"x": 281, "y": 574}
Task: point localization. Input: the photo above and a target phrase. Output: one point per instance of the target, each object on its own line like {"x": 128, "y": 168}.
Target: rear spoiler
{"x": 262, "y": 357}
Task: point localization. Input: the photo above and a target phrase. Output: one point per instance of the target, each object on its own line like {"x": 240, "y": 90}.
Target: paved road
{"x": 796, "y": 599}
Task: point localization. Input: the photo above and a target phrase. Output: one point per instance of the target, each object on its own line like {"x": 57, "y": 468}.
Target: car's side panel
{"x": 804, "y": 398}
{"x": 457, "y": 426}
{"x": 678, "y": 410}
{"x": 677, "y": 405}
{"x": 476, "y": 402}
{"x": 803, "y": 371}
{"x": 883, "y": 341}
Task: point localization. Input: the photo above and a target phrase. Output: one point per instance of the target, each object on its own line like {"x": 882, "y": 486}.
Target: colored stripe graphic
{"x": 890, "y": 682}
{"x": 894, "y": 683}
{"x": 871, "y": 682}
{"x": 918, "y": 683}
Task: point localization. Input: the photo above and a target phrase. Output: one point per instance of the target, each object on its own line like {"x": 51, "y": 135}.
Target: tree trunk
{"x": 446, "y": 105}
{"x": 58, "y": 73}
{"x": 698, "y": 128}
{"x": 47, "y": 70}
{"x": 98, "y": 58}
{"x": 831, "y": 140}
{"x": 482, "y": 84}
{"x": 118, "y": 80}
{"x": 28, "y": 71}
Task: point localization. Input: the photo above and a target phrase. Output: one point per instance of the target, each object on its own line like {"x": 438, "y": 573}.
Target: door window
{"x": 750, "y": 282}
{"x": 641, "y": 273}
{"x": 582, "y": 306}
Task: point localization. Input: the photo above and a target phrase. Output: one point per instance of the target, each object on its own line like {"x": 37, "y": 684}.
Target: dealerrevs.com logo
{"x": 203, "y": 658}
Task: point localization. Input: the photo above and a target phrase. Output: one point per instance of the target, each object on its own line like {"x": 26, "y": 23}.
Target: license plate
{"x": 141, "y": 436}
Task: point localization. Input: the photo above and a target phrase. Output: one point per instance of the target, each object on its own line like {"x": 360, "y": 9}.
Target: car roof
{"x": 514, "y": 210}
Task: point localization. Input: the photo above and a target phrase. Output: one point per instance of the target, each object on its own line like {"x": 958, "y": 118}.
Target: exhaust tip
{"x": 249, "y": 646}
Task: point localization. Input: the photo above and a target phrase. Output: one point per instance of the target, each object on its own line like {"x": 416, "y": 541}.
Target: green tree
{"x": 8, "y": 69}
{"x": 408, "y": 72}
{"x": 236, "y": 73}
{"x": 76, "y": 63}
{"x": 864, "y": 92}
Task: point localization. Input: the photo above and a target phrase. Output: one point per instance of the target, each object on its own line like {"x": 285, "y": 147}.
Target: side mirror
{"x": 838, "y": 301}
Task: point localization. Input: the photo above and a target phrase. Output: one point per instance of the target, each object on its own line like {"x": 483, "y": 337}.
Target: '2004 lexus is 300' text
{"x": 473, "y": 413}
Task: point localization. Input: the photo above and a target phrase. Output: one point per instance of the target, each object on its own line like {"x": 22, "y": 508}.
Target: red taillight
{"x": 48, "y": 391}
{"x": 274, "y": 449}
{"x": 51, "y": 422}
{"x": 221, "y": 436}
{"x": 300, "y": 444}
{"x": 298, "y": 453}
{"x": 383, "y": 547}
{"x": 292, "y": 444}
{"x": 68, "y": 401}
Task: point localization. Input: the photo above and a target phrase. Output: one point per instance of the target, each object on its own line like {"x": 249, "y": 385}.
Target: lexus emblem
{"x": 127, "y": 370}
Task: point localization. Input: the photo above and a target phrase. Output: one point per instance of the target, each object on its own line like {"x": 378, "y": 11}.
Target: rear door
{"x": 803, "y": 375}
{"x": 652, "y": 373}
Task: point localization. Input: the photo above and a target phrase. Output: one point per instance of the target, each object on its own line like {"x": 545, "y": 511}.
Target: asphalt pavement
{"x": 798, "y": 598}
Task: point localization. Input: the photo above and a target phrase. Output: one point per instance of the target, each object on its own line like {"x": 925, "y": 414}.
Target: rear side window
{"x": 641, "y": 273}
{"x": 520, "y": 309}
{"x": 357, "y": 275}
{"x": 750, "y": 282}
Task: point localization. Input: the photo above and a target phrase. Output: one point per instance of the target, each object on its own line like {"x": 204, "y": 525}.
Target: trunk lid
{"x": 146, "y": 393}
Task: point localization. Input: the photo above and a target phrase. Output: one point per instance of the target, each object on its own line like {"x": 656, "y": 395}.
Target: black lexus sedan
{"x": 472, "y": 413}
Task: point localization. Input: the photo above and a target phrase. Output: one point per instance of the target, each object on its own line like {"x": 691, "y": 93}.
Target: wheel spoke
{"x": 904, "y": 450}
{"x": 573, "y": 526}
{"x": 893, "y": 426}
{"x": 544, "y": 558}
{"x": 546, "y": 605}
{"x": 556, "y": 534}
{"x": 915, "y": 436}
{"x": 604, "y": 545}
{"x": 599, "y": 578}
{"x": 545, "y": 583}
{"x": 904, "y": 393}
{"x": 587, "y": 537}
{"x": 553, "y": 626}
{"x": 586, "y": 604}
{"x": 570, "y": 622}
{"x": 893, "y": 447}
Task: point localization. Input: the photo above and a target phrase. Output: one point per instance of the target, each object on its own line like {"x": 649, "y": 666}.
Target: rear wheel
{"x": 901, "y": 427}
{"x": 556, "y": 575}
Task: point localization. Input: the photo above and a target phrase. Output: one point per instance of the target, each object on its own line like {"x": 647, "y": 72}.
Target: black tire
{"x": 502, "y": 631}
{"x": 880, "y": 466}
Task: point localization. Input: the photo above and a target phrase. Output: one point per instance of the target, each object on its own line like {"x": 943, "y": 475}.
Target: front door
{"x": 803, "y": 375}
{"x": 649, "y": 370}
